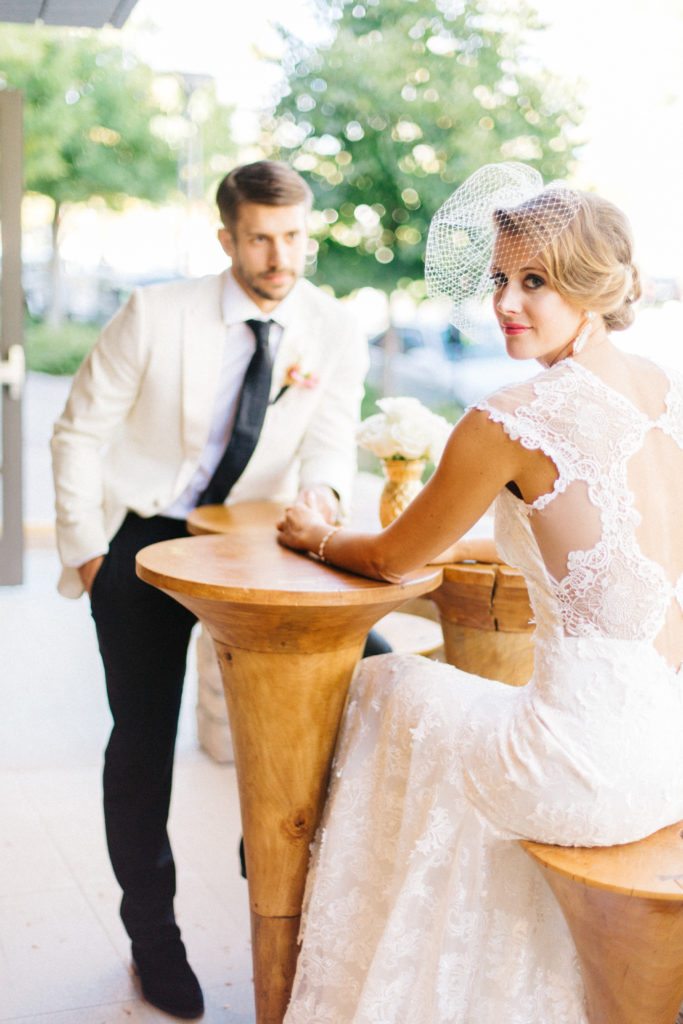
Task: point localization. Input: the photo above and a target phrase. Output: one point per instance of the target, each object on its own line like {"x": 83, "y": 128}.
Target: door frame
{"x": 11, "y": 337}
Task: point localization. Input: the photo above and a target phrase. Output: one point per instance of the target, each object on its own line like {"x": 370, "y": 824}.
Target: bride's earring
{"x": 582, "y": 336}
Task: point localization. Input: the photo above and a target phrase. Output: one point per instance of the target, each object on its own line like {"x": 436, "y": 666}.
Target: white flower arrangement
{"x": 404, "y": 429}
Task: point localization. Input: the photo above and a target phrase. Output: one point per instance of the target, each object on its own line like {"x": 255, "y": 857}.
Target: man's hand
{"x": 302, "y": 528}
{"x": 88, "y": 571}
{"x": 321, "y": 498}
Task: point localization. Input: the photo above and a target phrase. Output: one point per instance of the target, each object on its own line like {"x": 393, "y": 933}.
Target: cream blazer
{"x": 139, "y": 413}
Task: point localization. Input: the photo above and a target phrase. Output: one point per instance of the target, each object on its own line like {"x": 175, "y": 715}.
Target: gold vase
{"x": 403, "y": 482}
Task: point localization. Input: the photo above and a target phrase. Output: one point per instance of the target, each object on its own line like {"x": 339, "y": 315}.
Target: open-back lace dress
{"x": 421, "y": 907}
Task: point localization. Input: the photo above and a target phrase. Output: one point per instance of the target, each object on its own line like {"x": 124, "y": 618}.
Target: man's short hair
{"x": 269, "y": 182}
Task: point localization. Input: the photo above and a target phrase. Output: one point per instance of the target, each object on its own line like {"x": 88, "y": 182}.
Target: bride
{"x": 421, "y": 907}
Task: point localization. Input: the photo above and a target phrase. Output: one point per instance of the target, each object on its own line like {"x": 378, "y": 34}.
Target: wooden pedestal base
{"x": 284, "y": 722}
{"x": 275, "y": 951}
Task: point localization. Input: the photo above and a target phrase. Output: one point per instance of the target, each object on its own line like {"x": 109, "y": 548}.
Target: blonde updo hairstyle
{"x": 590, "y": 261}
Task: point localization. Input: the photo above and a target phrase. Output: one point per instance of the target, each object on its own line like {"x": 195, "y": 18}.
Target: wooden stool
{"x": 624, "y": 907}
{"x": 486, "y": 621}
{"x": 213, "y": 728}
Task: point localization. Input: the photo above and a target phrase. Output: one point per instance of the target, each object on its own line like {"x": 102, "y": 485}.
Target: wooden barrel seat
{"x": 624, "y": 907}
{"x": 486, "y": 621}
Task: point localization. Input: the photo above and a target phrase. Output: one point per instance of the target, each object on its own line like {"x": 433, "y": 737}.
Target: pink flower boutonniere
{"x": 296, "y": 377}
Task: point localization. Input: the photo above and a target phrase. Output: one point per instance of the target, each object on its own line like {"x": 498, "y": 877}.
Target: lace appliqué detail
{"x": 590, "y": 432}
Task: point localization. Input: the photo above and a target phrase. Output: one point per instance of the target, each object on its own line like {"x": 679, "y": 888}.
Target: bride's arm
{"x": 478, "y": 461}
{"x": 469, "y": 549}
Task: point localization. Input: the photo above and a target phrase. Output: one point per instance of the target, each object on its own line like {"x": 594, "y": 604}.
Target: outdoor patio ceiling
{"x": 86, "y": 13}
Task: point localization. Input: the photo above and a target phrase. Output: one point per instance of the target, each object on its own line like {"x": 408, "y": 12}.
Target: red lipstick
{"x": 512, "y": 329}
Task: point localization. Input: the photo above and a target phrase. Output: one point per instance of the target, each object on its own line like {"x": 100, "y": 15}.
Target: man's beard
{"x": 259, "y": 286}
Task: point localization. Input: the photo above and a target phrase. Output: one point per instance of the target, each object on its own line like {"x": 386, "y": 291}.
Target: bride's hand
{"x": 300, "y": 528}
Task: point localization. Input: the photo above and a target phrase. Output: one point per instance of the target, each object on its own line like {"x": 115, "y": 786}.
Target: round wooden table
{"x": 484, "y": 608}
{"x": 288, "y": 633}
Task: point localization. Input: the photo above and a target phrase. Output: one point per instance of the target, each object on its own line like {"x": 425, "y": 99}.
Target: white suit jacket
{"x": 139, "y": 413}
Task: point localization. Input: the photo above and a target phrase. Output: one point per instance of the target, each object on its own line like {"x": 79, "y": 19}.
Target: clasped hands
{"x": 300, "y": 525}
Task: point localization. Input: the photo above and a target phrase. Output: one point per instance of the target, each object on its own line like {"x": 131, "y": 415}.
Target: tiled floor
{"x": 64, "y": 957}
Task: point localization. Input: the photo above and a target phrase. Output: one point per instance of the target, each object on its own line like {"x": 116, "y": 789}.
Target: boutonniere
{"x": 296, "y": 377}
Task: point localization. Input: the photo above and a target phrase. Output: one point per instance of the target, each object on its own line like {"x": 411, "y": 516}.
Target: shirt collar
{"x": 238, "y": 307}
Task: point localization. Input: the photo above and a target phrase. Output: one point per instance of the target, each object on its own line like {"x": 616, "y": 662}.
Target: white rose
{"x": 411, "y": 438}
{"x": 404, "y": 428}
{"x": 373, "y": 435}
{"x": 397, "y": 408}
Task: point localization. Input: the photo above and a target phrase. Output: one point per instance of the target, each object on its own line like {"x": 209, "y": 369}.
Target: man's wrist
{"x": 323, "y": 498}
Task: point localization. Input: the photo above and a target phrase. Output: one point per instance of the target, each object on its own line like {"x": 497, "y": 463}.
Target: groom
{"x": 235, "y": 387}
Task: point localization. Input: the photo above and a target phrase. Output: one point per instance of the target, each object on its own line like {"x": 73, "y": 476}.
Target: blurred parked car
{"x": 87, "y": 296}
{"x": 483, "y": 366}
{"x": 657, "y": 290}
{"x": 439, "y": 366}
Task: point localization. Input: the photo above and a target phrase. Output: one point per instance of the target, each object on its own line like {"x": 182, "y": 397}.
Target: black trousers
{"x": 143, "y": 637}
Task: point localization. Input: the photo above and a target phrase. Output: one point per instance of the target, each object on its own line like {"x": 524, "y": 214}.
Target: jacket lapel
{"x": 298, "y": 347}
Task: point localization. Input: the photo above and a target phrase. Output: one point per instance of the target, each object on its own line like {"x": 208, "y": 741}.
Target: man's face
{"x": 267, "y": 246}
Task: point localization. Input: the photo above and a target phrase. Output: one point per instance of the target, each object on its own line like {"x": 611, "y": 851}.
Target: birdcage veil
{"x": 508, "y": 198}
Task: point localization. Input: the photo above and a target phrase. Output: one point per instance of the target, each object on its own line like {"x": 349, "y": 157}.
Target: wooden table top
{"x": 482, "y": 595}
{"x": 253, "y": 516}
{"x": 263, "y": 515}
{"x": 248, "y": 566}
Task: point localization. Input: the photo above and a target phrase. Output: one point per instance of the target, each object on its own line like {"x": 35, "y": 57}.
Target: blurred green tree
{"x": 403, "y": 100}
{"x": 97, "y": 122}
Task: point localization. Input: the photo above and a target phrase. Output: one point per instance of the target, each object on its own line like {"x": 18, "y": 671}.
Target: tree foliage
{"x": 89, "y": 118}
{"x": 99, "y": 122}
{"x": 405, "y": 100}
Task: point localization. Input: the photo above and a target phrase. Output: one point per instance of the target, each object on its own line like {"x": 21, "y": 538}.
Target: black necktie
{"x": 251, "y": 412}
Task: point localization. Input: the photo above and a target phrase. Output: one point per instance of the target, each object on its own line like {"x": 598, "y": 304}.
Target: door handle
{"x": 13, "y": 371}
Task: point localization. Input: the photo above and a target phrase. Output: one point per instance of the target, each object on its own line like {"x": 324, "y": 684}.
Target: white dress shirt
{"x": 240, "y": 345}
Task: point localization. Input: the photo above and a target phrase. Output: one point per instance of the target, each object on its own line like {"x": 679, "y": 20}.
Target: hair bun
{"x": 624, "y": 314}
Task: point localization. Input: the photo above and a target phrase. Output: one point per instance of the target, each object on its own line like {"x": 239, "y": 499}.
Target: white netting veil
{"x": 506, "y": 201}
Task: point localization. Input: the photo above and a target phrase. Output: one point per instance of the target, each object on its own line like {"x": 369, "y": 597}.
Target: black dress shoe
{"x": 167, "y": 980}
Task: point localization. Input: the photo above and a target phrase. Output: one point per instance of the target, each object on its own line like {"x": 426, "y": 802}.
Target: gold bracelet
{"x": 330, "y": 533}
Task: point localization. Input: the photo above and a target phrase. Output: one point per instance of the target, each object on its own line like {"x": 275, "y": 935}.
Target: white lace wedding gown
{"x": 421, "y": 907}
